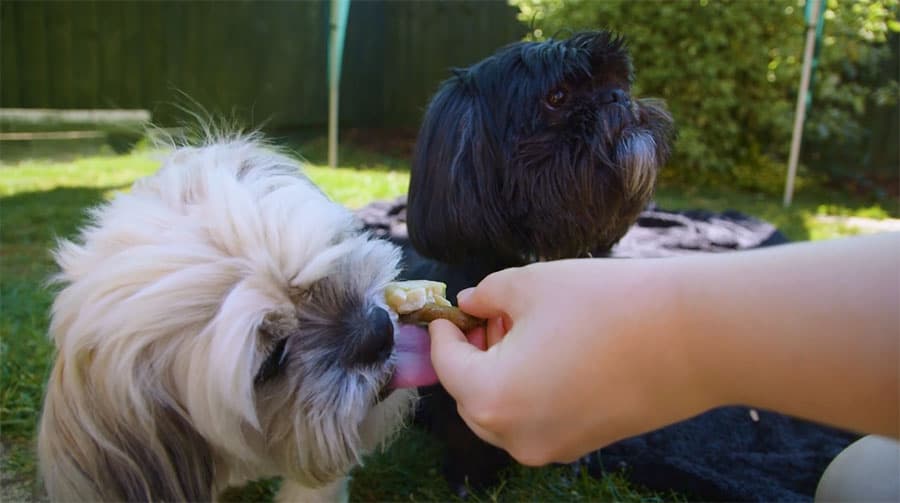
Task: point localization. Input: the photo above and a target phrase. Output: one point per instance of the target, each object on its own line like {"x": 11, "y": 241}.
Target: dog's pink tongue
{"x": 413, "y": 347}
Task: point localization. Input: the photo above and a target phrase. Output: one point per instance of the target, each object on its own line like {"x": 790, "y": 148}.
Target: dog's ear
{"x": 93, "y": 451}
{"x": 276, "y": 327}
{"x": 453, "y": 212}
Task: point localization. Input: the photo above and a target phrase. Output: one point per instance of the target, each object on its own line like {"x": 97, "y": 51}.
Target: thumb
{"x": 454, "y": 359}
{"x": 494, "y": 297}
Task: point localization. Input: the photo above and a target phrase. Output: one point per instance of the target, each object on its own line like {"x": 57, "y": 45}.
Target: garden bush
{"x": 730, "y": 70}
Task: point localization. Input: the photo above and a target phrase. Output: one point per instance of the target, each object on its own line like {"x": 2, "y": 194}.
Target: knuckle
{"x": 498, "y": 281}
{"x": 530, "y": 274}
{"x": 489, "y": 286}
{"x": 489, "y": 411}
{"x": 492, "y": 412}
{"x": 530, "y": 455}
{"x": 487, "y": 415}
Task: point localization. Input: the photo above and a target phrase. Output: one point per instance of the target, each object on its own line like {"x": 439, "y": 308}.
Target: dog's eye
{"x": 557, "y": 97}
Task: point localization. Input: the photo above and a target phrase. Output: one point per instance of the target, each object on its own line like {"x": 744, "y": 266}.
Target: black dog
{"x": 538, "y": 152}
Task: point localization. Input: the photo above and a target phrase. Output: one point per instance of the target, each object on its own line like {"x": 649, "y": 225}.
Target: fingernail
{"x": 463, "y": 294}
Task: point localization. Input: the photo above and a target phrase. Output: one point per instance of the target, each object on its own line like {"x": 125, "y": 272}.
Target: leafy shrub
{"x": 729, "y": 71}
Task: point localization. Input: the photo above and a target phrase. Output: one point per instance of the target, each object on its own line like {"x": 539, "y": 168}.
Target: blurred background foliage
{"x": 730, "y": 70}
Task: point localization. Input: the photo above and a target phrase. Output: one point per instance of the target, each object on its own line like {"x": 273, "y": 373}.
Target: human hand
{"x": 577, "y": 354}
{"x": 582, "y": 353}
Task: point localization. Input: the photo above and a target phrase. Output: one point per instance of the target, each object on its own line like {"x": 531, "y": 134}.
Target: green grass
{"x": 43, "y": 199}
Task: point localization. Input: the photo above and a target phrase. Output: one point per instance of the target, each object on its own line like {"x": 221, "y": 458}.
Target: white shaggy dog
{"x": 223, "y": 321}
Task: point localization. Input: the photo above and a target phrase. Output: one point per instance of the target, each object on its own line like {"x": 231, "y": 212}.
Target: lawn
{"x": 42, "y": 199}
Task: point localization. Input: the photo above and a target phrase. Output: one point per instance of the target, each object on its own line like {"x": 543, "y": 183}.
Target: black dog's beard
{"x": 581, "y": 196}
{"x": 535, "y": 153}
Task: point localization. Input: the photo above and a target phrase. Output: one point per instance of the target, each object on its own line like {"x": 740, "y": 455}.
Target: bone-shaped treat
{"x": 420, "y": 302}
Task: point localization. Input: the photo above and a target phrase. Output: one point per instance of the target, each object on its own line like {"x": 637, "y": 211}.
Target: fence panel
{"x": 258, "y": 60}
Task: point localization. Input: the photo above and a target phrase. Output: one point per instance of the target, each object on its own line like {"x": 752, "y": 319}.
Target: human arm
{"x": 600, "y": 350}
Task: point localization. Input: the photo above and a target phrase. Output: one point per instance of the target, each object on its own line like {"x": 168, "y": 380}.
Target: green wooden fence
{"x": 259, "y": 60}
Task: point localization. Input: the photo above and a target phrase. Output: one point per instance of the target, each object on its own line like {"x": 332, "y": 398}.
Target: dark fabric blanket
{"x": 728, "y": 454}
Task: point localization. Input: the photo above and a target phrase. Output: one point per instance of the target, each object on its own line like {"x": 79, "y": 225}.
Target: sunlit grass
{"x": 350, "y": 186}
{"x": 355, "y": 188}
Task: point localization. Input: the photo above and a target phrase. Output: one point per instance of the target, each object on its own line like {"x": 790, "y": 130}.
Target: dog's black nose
{"x": 608, "y": 96}
{"x": 377, "y": 340}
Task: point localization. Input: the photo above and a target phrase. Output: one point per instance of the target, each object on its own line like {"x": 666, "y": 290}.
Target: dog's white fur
{"x": 160, "y": 332}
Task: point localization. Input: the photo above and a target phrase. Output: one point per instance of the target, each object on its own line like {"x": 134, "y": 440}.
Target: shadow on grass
{"x": 13, "y": 152}
{"x": 351, "y": 155}
{"x": 33, "y": 221}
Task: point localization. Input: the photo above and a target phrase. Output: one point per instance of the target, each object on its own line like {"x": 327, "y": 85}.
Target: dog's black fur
{"x": 535, "y": 153}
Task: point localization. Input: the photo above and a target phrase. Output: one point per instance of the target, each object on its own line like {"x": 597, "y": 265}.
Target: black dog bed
{"x": 727, "y": 454}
